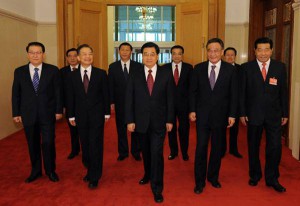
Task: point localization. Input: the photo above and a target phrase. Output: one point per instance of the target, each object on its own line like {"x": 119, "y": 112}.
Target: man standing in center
{"x": 149, "y": 111}
{"x": 213, "y": 105}
{"x": 88, "y": 104}
{"x": 118, "y": 74}
{"x": 181, "y": 72}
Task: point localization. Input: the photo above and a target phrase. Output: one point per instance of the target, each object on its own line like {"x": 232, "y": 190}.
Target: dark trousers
{"x": 123, "y": 140}
{"x": 183, "y": 133}
{"x": 92, "y": 150}
{"x": 41, "y": 143}
{"x": 152, "y": 144}
{"x": 204, "y": 133}
{"x": 233, "y": 135}
{"x": 273, "y": 152}
{"x": 75, "y": 143}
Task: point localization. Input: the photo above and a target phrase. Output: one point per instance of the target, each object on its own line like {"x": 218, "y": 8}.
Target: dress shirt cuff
{"x": 106, "y": 116}
{"x": 72, "y": 119}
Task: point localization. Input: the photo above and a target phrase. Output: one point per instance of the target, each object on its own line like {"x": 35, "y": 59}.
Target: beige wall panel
{"x": 46, "y": 34}
{"x": 236, "y": 35}
{"x": 14, "y": 37}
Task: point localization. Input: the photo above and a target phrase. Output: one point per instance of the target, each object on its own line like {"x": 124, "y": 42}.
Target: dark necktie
{"x": 150, "y": 81}
{"x": 36, "y": 79}
{"x": 176, "y": 74}
{"x": 85, "y": 81}
{"x": 264, "y": 71}
{"x": 212, "y": 77}
{"x": 74, "y": 68}
{"x": 125, "y": 72}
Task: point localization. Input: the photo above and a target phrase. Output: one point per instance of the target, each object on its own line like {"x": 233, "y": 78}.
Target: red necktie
{"x": 264, "y": 71}
{"x": 85, "y": 81}
{"x": 176, "y": 74}
{"x": 150, "y": 81}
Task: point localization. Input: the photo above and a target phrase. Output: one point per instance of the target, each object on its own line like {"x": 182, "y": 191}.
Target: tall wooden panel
{"x": 90, "y": 28}
{"x": 192, "y": 30}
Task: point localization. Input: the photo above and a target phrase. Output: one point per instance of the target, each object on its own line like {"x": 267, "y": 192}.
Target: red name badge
{"x": 273, "y": 81}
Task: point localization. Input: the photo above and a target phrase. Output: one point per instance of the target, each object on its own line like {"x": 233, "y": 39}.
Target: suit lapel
{"x": 42, "y": 77}
{"x": 221, "y": 76}
{"x": 157, "y": 80}
{"x": 28, "y": 77}
{"x": 79, "y": 79}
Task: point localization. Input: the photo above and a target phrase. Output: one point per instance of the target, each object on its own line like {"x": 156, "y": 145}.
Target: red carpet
{"x": 119, "y": 183}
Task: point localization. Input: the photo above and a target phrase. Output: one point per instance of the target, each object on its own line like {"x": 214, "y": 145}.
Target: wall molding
{"x": 237, "y": 24}
{"x": 296, "y": 5}
{"x": 23, "y": 19}
{"x": 17, "y": 17}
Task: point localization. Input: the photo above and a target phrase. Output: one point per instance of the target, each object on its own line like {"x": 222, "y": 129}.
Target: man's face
{"x": 177, "y": 55}
{"x": 85, "y": 57}
{"x": 229, "y": 56}
{"x": 150, "y": 57}
{"x": 35, "y": 55}
{"x": 263, "y": 52}
{"x": 125, "y": 53}
{"x": 72, "y": 58}
{"x": 214, "y": 52}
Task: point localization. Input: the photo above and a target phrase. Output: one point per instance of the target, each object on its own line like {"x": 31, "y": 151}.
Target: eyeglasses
{"x": 35, "y": 53}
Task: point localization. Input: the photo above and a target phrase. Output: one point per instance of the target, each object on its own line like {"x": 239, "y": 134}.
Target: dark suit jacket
{"x": 88, "y": 109}
{"x": 213, "y": 107}
{"x": 143, "y": 109}
{"x": 261, "y": 101}
{"x": 117, "y": 85}
{"x": 43, "y": 106}
{"x": 65, "y": 75}
{"x": 182, "y": 88}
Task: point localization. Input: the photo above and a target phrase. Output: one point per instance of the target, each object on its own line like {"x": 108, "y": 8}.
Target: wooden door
{"x": 192, "y": 30}
{"x": 90, "y": 28}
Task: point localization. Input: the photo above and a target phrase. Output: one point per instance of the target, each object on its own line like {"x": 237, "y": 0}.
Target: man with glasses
{"x": 213, "y": 105}
{"x": 37, "y": 104}
{"x": 149, "y": 111}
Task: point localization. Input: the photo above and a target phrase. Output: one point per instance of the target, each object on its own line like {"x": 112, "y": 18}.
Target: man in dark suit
{"x": 88, "y": 104}
{"x": 71, "y": 56}
{"x": 37, "y": 103}
{"x": 229, "y": 56}
{"x": 213, "y": 105}
{"x": 149, "y": 111}
{"x": 264, "y": 105}
{"x": 117, "y": 76}
{"x": 181, "y": 72}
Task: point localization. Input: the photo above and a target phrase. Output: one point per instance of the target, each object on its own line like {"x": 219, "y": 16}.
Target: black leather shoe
{"x": 143, "y": 181}
{"x": 171, "y": 157}
{"x": 236, "y": 154}
{"x": 252, "y": 182}
{"x": 121, "y": 158}
{"x": 198, "y": 189}
{"x": 158, "y": 198}
{"x": 53, "y": 177}
{"x": 216, "y": 184}
{"x": 93, "y": 184}
{"x": 137, "y": 157}
{"x": 277, "y": 187}
{"x": 72, "y": 155}
{"x": 86, "y": 178}
{"x": 185, "y": 157}
{"x": 32, "y": 178}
